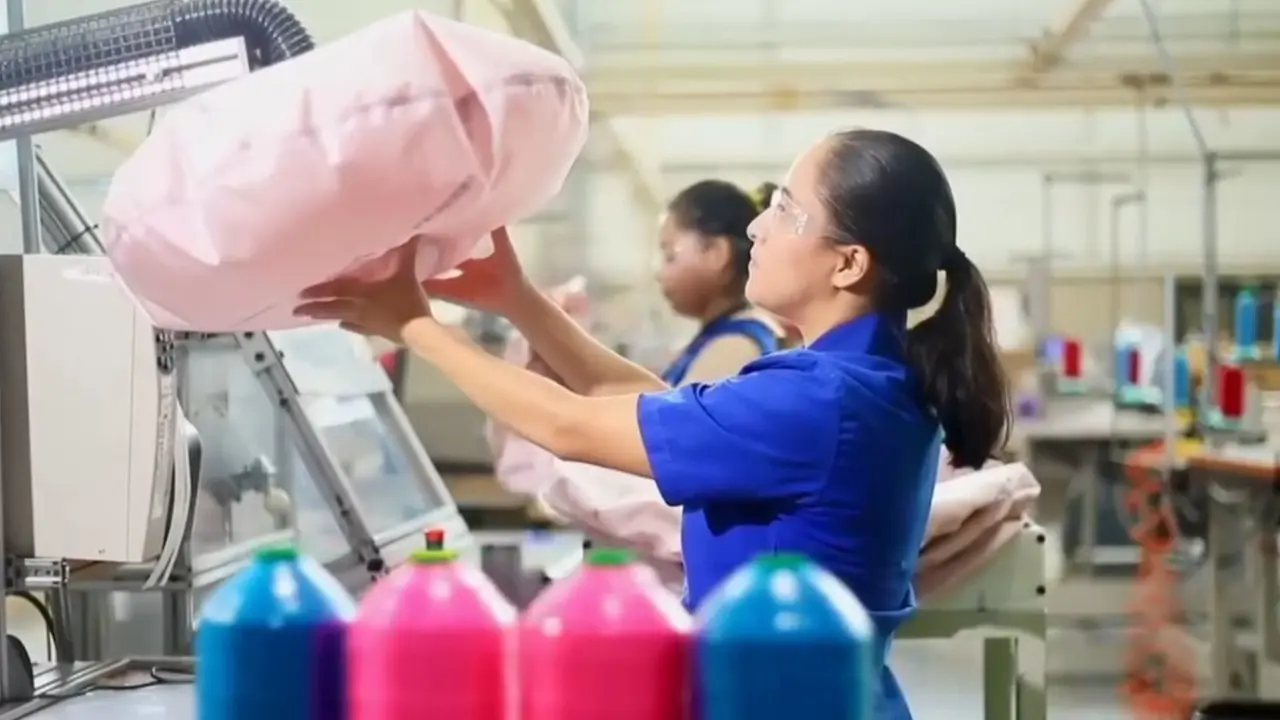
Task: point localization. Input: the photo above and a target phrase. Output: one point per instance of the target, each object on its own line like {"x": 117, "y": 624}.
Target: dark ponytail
{"x": 889, "y": 195}
{"x": 955, "y": 353}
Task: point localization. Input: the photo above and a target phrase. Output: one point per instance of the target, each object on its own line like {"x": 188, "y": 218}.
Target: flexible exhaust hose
{"x": 271, "y": 33}
{"x": 48, "y": 53}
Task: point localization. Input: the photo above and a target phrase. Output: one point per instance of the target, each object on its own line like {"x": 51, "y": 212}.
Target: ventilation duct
{"x": 137, "y": 58}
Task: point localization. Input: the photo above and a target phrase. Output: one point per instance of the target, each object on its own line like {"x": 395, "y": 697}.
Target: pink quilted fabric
{"x": 416, "y": 128}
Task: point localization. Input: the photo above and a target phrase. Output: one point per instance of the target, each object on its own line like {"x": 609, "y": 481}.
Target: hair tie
{"x": 758, "y": 199}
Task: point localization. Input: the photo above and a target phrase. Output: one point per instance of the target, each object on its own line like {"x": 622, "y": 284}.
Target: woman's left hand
{"x": 381, "y": 307}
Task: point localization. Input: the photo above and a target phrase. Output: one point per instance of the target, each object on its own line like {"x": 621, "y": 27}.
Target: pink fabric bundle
{"x": 974, "y": 514}
{"x": 416, "y": 128}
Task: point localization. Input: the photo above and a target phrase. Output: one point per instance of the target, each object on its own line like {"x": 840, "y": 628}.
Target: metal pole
{"x": 1142, "y": 177}
{"x": 28, "y": 194}
{"x": 1048, "y": 181}
{"x": 1118, "y": 204}
{"x": 1041, "y": 299}
{"x": 1178, "y": 90}
{"x": 1209, "y": 313}
{"x": 1169, "y": 290}
{"x": 14, "y": 22}
{"x": 1046, "y": 214}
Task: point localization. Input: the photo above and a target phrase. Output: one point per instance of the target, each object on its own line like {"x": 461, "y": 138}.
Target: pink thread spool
{"x": 608, "y": 643}
{"x": 432, "y": 640}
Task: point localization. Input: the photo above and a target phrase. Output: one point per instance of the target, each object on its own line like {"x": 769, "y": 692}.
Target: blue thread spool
{"x": 1247, "y": 324}
{"x": 1275, "y": 327}
{"x": 1181, "y": 380}
{"x": 271, "y": 643}
{"x": 783, "y": 638}
{"x": 1124, "y": 363}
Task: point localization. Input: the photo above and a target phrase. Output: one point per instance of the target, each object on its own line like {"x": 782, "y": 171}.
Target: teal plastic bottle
{"x": 784, "y": 638}
{"x": 271, "y": 643}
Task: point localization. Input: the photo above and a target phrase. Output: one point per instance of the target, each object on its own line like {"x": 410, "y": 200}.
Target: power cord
{"x": 155, "y": 675}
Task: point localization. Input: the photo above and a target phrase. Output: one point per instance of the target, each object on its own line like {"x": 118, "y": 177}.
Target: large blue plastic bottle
{"x": 784, "y": 638}
{"x": 1246, "y": 324}
{"x": 271, "y": 643}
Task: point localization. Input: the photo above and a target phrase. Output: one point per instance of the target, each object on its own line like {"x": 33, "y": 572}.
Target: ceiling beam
{"x": 871, "y": 75}
{"x": 1049, "y": 52}
{"x": 745, "y": 86}
{"x": 660, "y": 102}
{"x": 1041, "y": 161}
{"x": 541, "y": 22}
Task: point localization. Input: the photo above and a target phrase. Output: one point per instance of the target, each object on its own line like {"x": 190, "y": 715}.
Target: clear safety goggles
{"x": 783, "y": 215}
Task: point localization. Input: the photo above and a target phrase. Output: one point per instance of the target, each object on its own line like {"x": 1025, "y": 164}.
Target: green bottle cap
{"x": 278, "y": 553}
{"x": 432, "y": 557}
{"x": 782, "y": 561}
{"x": 610, "y": 557}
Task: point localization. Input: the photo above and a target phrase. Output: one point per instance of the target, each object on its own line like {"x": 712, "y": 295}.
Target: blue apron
{"x": 752, "y": 328}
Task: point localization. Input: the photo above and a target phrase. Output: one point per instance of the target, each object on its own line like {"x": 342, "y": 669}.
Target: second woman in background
{"x": 703, "y": 275}
{"x": 704, "y": 253}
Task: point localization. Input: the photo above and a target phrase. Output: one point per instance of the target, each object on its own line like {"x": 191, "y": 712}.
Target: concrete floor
{"x": 943, "y": 679}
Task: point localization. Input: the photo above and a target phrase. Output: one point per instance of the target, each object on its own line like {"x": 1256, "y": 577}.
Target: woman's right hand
{"x": 492, "y": 284}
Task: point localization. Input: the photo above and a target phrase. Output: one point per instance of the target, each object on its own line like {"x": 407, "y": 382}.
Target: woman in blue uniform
{"x": 829, "y": 450}
{"x": 705, "y": 250}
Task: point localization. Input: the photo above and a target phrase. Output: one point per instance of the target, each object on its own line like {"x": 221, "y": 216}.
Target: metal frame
{"x": 75, "y": 597}
{"x": 1040, "y": 293}
{"x": 1221, "y": 651}
{"x": 265, "y": 362}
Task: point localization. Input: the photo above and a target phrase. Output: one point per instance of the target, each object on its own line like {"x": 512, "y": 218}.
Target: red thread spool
{"x": 1231, "y": 391}
{"x": 1072, "y": 359}
{"x": 1135, "y": 366}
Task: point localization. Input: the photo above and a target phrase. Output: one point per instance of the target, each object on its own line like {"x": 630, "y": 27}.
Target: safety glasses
{"x": 784, "y": 215}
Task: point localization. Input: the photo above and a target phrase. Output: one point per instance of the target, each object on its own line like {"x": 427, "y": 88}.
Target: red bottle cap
{"x": 435, "y": 539}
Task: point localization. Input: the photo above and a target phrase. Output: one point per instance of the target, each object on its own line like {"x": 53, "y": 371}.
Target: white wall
{"x": 996, "y": 162}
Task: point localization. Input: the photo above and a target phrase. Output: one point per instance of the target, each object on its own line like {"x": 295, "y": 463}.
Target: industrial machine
{"x": 80, "y": 361}
{"x": 133, "y": 458}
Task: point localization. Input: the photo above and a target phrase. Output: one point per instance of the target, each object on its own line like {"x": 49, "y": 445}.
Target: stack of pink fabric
{"x": 974, "y": 515}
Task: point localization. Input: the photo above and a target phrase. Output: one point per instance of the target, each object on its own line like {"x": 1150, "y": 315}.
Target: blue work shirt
{"x": 828, "y": 450}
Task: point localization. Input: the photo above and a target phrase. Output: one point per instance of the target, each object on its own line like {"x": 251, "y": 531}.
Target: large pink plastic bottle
{"x": 608, "y": 642}
{"x": 432, "y": 640}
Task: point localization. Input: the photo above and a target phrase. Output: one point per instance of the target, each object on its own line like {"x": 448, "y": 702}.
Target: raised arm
{"x": 598, "y": 430}
{"x": 585, "y": 364}
{"x": 497, "y": 284}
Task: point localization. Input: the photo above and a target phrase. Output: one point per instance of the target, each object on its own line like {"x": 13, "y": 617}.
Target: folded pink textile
{"x": 974, "y": 514}
{"x": 416, "y": 128}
